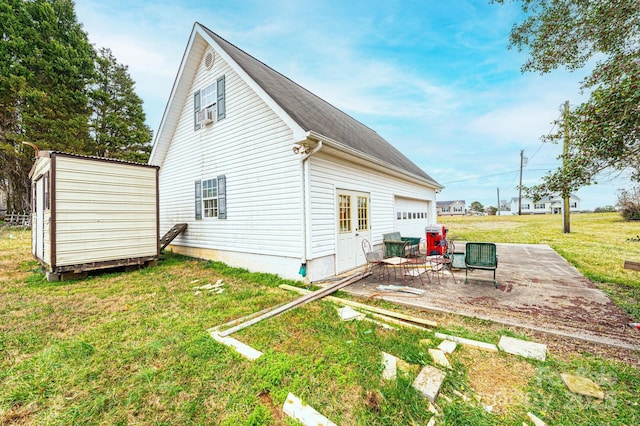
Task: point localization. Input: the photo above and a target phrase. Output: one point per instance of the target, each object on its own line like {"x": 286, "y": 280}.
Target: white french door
{"x": 354, "y": 225}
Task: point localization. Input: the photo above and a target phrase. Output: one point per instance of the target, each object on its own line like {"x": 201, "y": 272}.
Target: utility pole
{"x": 565, "y": 209}
{"x": 498, "y": 212}
{"x": 520, "y": 186}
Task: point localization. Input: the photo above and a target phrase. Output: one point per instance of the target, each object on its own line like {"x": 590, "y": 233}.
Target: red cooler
{"x": 435, "y": 235}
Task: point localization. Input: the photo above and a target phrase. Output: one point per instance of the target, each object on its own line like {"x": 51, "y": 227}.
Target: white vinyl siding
{"x": 104, "y": 211}
{"x": 329, "y": 173}
{"x": 252, "y": 149}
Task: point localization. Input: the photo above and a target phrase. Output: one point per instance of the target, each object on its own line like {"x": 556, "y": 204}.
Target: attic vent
{"x": 208, "y": 59}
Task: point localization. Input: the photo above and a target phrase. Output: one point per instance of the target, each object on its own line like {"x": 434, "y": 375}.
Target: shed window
{"x": 211, "y": 198}
{"x": 47, "y": 203}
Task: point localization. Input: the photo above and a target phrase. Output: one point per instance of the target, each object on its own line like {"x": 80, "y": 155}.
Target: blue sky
{"x": 434, "y": 78}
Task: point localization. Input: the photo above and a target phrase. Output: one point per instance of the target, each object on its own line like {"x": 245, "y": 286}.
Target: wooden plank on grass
{"x": 368, "y": 308}
{"x": 396, "y": 321}
{"x": 468, "y": 342}
{"x": 242, "y": 348}
{"x": 634, "y": 266}
{"x": 298, "y": 302}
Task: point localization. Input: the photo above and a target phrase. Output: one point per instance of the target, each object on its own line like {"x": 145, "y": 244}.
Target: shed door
{"x": 353, "y": 225}
{"x": 39, "y": 225}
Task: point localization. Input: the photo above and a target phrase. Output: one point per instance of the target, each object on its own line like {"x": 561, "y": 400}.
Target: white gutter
{"x": 311, "y": 135}
{"x": 306, "y": 205}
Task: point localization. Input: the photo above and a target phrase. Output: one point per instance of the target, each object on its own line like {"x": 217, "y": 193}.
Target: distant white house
{"x": 451, "y": 208}
{"x": 548, "y": 205}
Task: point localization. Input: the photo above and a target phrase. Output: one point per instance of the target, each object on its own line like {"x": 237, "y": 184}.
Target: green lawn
{"x": 132, "y": 348}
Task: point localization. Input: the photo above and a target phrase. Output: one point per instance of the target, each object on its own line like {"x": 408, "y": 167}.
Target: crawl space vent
{"x": 208, "y": 59}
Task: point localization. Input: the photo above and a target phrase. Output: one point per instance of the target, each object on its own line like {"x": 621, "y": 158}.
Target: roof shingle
{"x": 314, "y": 114}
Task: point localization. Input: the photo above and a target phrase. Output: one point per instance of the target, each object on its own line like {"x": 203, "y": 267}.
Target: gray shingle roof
{"x": 448, "y": 203}
{"x": 314, "y": 114}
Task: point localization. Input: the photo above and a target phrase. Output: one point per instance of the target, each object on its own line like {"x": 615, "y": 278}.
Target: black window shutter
{"x": 222, "y": 105}
{"x": 222, "y": 197}
{"x": 196, "y": 110}
{"x": 198, "y": 200}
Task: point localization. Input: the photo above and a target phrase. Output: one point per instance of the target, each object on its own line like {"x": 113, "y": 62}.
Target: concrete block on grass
{"x": 390, "y": 366}
{"x": 347, "y": 314}
{"x": 429, "y": 381}
{"x": 582, "y": 385}
{"x": 305, "y": 414}
{"x": 536, "y": 421}
{"x": 523, "y": 348}
{"x": 439, "y": 358}
{"x": 447, "y": 346}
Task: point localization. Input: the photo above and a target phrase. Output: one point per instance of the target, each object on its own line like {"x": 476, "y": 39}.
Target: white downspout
{"x": 306, "y": 206}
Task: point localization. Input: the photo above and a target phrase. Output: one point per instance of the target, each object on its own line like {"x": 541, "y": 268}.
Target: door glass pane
{"x": 344, "y": 213}
{"x": 363, "y": 213}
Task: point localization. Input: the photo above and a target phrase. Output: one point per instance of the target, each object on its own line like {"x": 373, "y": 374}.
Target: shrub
{"x": 629, "y": 203}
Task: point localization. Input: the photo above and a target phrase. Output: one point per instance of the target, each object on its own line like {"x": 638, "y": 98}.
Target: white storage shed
{"x": 92, "y": 213}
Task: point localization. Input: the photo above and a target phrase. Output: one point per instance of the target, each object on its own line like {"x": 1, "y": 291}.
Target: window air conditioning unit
{"x": 206, "y": 116}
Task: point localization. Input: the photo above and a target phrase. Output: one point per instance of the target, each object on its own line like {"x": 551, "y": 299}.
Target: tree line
{"x": 59, "y": 92}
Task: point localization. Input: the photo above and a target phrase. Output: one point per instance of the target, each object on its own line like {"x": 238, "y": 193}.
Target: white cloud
{"x": 433, "y": 78}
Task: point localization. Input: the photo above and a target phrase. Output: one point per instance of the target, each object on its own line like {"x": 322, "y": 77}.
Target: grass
{"x": 597, "y": 245}
{"x": 124, "y": 348}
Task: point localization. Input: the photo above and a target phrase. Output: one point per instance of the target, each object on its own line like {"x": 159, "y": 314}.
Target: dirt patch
{"x": 19, "y": 414}
{"x": 500, "y": 381}
{"x": 276, "y": 412}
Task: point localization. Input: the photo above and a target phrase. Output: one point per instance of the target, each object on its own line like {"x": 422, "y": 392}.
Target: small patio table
{"x": 393, "y": 262}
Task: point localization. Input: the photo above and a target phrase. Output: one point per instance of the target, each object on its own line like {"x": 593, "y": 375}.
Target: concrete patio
{"x": 537, "y": 289}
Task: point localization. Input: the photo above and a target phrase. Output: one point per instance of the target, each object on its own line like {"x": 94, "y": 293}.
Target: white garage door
{"x": 411, "y": 216}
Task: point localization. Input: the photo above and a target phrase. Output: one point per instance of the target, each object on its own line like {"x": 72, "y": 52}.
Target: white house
{"x": 272, "y": 178}
{"x": 451, "y": 208}
{"x": 548, "y": 205}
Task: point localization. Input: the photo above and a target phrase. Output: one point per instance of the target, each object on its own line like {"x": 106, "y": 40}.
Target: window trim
{"x": 220, "y": 197}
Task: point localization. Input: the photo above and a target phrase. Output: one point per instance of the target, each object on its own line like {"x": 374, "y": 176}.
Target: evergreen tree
{"x": 46, "y": 63}
{"x": 57, "y": 93}
{"x": 118, "y": 126}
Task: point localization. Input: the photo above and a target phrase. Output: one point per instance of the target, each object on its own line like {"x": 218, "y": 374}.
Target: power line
{"x": 542, "y": 143}
{"x": 486, "y": 176}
